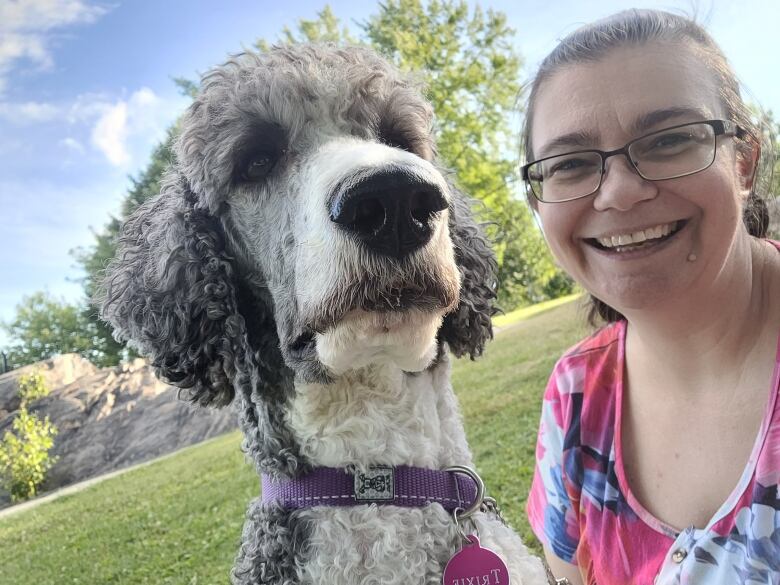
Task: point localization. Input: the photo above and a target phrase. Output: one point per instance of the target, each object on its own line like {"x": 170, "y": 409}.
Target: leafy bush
{"x": 32, "y": 386}
{"x": 24, "y": 451}
{"x": 24, "y": 454}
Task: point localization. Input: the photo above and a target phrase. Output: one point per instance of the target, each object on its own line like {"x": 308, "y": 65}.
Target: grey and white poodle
{"x": 308, "y": 260}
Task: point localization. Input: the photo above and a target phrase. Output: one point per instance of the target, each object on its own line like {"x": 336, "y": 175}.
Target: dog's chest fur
{"x": 380, "y": 415}
{"x": 399, "y": 546}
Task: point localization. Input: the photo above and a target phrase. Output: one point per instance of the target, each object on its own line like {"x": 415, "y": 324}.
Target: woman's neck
{"x": 709, "y": 334}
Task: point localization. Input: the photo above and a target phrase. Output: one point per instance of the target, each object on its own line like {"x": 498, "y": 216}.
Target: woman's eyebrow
{"x": 643, "y": 123}
{"x": 646, "y": 122}
{"x": 572, "y": 140}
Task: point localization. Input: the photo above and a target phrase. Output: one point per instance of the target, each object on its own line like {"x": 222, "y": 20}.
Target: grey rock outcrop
{"x": 109, "y": 418}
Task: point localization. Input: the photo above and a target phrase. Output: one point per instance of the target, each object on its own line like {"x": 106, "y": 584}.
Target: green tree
{"x": 44, "y": 326}
{"x": 769, "y": 175}
{"x": 326, "y": 28}
{"x": 24, "y": 450}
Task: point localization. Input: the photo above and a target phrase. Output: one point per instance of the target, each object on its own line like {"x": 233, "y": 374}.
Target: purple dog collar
{"x": 398, "y": 486}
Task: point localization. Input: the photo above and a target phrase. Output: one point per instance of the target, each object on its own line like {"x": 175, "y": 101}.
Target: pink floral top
{"x": 581, "y": 507}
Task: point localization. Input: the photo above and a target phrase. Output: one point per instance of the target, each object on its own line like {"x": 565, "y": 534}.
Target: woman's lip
{"x": 641, "y": 252}
{"x": 626, "y": 231}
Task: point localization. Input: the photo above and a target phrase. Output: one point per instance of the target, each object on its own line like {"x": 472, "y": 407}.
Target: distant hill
{"x": 108, "y": 418}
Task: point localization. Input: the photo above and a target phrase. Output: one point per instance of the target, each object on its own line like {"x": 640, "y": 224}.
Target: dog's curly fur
{"x": 239, "y": 289}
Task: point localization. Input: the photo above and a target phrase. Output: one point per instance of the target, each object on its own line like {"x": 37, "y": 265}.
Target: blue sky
{"x": 86, "y": 93}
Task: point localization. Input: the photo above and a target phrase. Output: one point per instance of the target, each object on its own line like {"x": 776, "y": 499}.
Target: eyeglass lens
{"x": 662, "y": 155}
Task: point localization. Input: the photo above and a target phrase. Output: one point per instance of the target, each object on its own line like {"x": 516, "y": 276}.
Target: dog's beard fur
{"x": 392, "y": 317}
{"x": 406, "y": 339}
{"x": 394, "y": 324}
{"x": 430, "y": 292}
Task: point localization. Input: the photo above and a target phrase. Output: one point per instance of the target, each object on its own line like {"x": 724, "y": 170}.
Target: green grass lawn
{"x": 179, "y": 520}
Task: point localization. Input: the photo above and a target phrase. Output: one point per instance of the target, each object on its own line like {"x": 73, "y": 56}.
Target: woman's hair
{"x": 636, "y": 27}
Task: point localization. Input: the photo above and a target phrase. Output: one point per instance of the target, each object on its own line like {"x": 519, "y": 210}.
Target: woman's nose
{"x": 622, "y": 187}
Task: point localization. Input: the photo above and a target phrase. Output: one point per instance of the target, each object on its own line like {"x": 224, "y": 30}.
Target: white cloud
{"x": 129, "y": 125}
{"x": 72, "y": 144}
{"x": 28, "y": 112}
{"x": 14, "y": 47}
{"x": 25, "y": 24}
{"x": 110, "y": 133}
{"x": 31, "y": 15}
{"x": 121, "y": 128}
{"x": 144, "y": 97}
{"x": 87, "y": 106}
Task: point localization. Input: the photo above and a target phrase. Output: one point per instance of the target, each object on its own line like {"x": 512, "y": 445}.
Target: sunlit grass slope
{"x": 179, "y": 520}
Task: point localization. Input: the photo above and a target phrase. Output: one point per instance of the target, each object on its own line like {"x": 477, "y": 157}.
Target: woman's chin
{"x": 639, "y": 293}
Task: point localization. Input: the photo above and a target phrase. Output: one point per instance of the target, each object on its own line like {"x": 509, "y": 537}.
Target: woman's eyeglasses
{"x": 670, "y": 153}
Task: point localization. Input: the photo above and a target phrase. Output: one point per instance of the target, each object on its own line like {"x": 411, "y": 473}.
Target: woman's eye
{"x": 670, "y": 141}
{"x": 570, "y": 165}
{"x": 666, "y": 145}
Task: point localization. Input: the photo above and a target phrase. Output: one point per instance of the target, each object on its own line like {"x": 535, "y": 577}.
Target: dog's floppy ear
{"x": 469, "y": 326}
{"x": 170, "y": 292}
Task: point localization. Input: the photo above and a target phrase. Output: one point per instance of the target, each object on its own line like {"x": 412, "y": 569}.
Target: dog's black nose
{"x": 392, "y": 212}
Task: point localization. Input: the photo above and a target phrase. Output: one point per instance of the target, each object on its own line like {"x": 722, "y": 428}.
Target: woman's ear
{"x": 754, "y": 209}
{"x": 748, "y": 160}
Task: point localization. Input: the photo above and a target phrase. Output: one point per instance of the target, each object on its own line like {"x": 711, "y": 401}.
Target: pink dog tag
{"x": 474, "y": 565}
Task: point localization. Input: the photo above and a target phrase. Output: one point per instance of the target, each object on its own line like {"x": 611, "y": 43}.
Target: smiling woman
{"x": 659, "y": 446}
{"x": 639, "y": 89}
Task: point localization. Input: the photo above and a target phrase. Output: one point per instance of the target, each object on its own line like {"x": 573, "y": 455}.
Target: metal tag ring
{"x": 456, "y": 515}
{"x": 468, "y": 512}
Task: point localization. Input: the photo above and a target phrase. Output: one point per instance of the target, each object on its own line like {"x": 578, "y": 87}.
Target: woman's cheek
{"x": 559, "y": 235}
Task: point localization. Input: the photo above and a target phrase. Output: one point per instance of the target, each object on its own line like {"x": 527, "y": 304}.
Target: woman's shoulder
{"x": 606, "y": 341}
{"x": 595, "y": 360}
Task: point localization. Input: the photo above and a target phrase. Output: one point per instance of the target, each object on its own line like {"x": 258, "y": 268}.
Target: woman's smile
{"x": 625, "y": 241}
{"x": 635, "y": 244}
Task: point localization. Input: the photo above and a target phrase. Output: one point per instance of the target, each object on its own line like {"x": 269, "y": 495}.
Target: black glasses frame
{"x": 719, "y": 127}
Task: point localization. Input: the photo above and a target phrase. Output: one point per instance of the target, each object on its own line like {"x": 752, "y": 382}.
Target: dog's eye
{"x": 395, "y": 141}
{"x": 259, "y": 166}
{"x": 394, "y": 137}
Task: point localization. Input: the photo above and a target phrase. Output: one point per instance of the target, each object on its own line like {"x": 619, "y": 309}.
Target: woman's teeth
{"x": 625, "y": 240}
